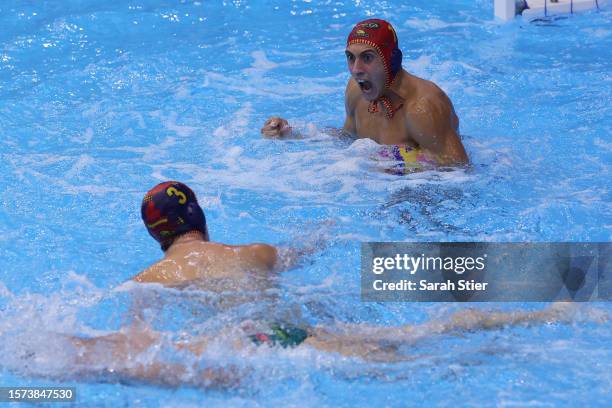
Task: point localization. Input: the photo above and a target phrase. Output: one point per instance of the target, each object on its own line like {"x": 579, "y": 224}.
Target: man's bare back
{"x": 190, "y": 259}
{"x": 173, "y": 217}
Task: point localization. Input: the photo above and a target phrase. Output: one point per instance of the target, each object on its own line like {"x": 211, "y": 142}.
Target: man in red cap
{"x": 387, "y": 104}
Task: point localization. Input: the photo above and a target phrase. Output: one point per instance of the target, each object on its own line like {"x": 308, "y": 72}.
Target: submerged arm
{"x": 264, "y": 256}
{"x": 279, "y": 127}
{"x": 381, "y": 343}
{"x": 292, "y": 256}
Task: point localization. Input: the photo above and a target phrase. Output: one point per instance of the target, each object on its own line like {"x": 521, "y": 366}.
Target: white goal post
{"x": 507, "y": 9}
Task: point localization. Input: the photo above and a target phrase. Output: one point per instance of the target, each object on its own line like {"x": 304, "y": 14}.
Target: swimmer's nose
{"x": 357, "y": 67}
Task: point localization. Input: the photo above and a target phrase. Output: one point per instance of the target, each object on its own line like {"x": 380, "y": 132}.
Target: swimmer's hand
{"x": 276, "y": 127}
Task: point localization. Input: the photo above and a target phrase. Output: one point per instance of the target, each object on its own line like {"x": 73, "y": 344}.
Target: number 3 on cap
{"x": 173, "y": 191}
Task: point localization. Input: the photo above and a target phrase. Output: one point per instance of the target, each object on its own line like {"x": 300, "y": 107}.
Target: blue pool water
{"x": 99, "y": 102}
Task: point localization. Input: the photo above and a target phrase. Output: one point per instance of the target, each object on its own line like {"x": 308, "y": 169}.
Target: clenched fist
{"x": 276, "y": 127}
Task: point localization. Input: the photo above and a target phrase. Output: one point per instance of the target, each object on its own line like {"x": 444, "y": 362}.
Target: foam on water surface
{"x": 99, "y": 102}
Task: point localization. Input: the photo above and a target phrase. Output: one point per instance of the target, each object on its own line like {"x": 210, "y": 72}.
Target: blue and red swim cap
{"x": 170, "y": 209}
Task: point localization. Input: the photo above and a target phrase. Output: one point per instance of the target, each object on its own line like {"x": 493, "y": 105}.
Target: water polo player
{"x": 387, "y": 104}
{"x": 174, "y": 218}
{"x": 140, "y": 353}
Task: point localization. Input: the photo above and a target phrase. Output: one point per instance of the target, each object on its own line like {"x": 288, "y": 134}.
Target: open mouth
{"x": 365, "y": 85}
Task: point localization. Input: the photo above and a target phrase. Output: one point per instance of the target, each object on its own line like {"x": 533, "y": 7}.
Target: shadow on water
{"x": 426, "y": 206}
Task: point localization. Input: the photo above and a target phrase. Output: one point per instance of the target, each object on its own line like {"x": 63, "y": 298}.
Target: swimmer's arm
{"x": 152, "y": 274}
{"x": 289, "y": 132}
{"x": 351, "y": 95}
{"x": 381, "y": 343}
{"x": 475, "y": 320}
{"x": 293, "y": 254}
{"x": 265, "y": 256}
{"x": 280, "y": 259}
{"x": 290, "y": 257}
{"x": 434, "y": 127}
{"x": 279, "y": 127}
{"x": 338, "y": 132}
{"x": 348, "y": 130}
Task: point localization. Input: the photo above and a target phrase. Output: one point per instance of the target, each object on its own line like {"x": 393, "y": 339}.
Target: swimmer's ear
{"x": 396, "y": 60}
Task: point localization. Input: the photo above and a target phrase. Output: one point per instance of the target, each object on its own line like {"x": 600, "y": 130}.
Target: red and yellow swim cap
{"x": 380, "y": 35}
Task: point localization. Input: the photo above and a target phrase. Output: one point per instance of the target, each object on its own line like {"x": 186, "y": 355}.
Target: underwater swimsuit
{"x": 282, "y": 335}
{"x": 409, "y": 159}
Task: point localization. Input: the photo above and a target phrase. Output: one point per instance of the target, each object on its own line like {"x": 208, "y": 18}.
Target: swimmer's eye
{"x": 367, "y": 58}
{"x": 350, "y": 57}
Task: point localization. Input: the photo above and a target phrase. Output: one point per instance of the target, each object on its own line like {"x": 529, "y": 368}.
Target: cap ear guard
{"x": 396, "y": 60}
{"x": 194, "y": 215}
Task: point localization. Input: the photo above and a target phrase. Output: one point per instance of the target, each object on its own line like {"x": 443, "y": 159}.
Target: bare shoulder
{"x": 156, "y": 273}
{"x": 430, "y": 109}
{"x": 263, "y": 255}
{"x": 428, "y": 95}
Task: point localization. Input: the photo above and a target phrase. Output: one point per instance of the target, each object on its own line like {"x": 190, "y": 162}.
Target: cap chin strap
{"x": 395, "y": 67}
{"x": 386, "y": 102}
